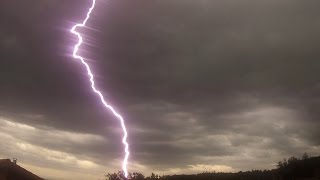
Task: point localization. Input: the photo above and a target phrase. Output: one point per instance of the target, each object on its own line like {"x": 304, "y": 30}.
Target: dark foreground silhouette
{"x": 10, "y": 170}
{"x": 305, "y": 168}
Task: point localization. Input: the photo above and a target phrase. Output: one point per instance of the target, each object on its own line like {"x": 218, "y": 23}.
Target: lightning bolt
{"x": 96, "y": 91}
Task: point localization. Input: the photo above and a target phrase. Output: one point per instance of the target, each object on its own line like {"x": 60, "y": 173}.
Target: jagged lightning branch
{"x": 90, "y": 75}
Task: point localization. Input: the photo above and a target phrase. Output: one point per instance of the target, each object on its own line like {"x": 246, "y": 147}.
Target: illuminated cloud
{"x": 203, "y": 84}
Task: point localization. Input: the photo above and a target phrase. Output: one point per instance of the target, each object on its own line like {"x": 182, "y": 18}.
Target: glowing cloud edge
{"x": 91, "y": 78}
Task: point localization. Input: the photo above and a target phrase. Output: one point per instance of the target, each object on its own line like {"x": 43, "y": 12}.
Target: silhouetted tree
{"x": 116, "y": 176}
{"x": 305, "y": 156}
{"x": 153, "y": 177}
{"x": 280, "y": 165}
{"x": 120, "y": 176}
{"x": 136, "y": 176}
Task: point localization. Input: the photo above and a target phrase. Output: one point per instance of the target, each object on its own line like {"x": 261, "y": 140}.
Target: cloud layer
{"x": 204, "y": 85}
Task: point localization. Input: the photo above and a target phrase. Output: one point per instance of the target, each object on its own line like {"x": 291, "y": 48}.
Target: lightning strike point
{"x": 96, "y": 91}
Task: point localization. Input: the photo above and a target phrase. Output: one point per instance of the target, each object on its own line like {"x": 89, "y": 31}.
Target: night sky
{"x": 203, "y": 85}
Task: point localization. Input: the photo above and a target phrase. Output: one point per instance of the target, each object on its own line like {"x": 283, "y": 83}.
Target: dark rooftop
{"x": 11, "y": 171}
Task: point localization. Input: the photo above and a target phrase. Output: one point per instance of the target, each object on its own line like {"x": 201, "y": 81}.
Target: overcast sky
{"x": 203, "y": 85}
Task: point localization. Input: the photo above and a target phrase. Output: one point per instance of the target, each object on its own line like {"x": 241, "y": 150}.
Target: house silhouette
{"x": 9, "y": 170}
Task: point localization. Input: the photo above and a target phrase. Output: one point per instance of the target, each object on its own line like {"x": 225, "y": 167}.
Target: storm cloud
{"x": 203, "y": 85}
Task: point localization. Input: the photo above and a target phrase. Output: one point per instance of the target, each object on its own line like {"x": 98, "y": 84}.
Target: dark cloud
{"x": 232, "y": 84}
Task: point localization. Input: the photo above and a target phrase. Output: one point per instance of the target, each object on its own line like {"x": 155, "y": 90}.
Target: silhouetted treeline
{"x": 297, "y": 168}
{"x": 288, "y": 169}
{"x": 250, "y": 175}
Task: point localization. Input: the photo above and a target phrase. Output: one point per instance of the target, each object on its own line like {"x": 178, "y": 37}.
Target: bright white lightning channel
{"x": 96, "y": 91}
